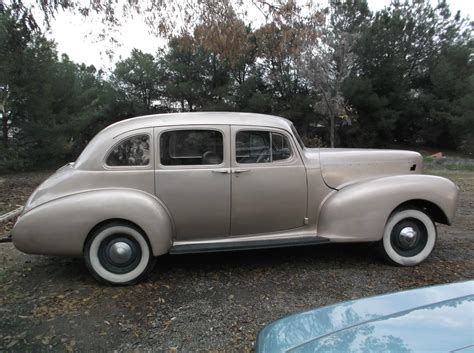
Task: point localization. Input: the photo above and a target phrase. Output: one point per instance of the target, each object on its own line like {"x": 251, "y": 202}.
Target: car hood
{"x": 432, "y": 319}
{"x": 340, "y": 166}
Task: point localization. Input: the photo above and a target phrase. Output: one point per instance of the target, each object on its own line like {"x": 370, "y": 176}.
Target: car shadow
{"x": 324, "y": 255}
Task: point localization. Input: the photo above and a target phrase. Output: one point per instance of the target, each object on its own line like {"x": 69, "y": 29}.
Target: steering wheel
{"x": 262, "y": 156}
{"x": 210, "y": 157}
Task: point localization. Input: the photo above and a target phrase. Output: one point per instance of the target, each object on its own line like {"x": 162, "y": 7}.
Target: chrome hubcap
{"x": 120, "y": 252}
{"x": 407, "y": 237}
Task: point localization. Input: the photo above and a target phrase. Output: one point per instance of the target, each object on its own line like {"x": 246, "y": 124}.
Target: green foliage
{"x": 412, "y": 79}
{"x": 449, "y": 103}
{"x": 52, "y": 102}
{"x": 197, "y": 79}
{"x": 404, "y": 75}
{"x": 139, "y": 80}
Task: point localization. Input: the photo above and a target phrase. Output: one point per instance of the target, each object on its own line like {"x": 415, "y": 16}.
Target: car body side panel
{"x": 268, "y": 197}
{"x": 197, "y": 196}
{"x": 73, "y": 181}
{"x": 358, "y": 212}
{"x": 317, "y": 192}
{"x": 61, "y": 226}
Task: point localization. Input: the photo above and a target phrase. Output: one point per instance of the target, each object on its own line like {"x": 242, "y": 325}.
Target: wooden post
{"x": 9, "y": 215}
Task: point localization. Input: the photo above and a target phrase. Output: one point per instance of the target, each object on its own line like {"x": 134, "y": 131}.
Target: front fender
{"x": 61, "y": 226}
{"x": 358, "y": 212}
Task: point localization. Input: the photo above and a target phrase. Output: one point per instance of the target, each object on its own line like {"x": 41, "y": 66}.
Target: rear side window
{"x": 261, "y": 147}
{"x": 134, "y": 151}
{"x": 191, "y": 147}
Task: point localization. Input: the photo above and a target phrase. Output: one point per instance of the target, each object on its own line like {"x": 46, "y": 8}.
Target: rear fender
{"x": 359, "y": 212}
{"x": 61, "y": 226}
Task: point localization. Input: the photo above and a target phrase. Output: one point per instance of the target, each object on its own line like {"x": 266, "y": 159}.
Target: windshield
{"x": 298, "y": 137}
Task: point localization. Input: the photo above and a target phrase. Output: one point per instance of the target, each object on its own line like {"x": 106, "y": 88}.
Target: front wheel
{"x": 118, "y": 254}
{"x": 409, "y": 237}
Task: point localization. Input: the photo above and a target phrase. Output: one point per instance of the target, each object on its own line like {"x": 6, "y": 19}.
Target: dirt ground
{"x": 206, "y": 302}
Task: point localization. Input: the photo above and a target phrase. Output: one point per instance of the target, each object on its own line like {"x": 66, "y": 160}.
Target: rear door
{"x": 192, "y": 178}
{"x": 269, "y": 188}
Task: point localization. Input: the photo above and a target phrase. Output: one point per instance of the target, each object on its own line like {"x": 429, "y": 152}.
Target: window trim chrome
{"x": 129, "y": 167}
{"x": 189, "y": 166}
{"x": 257, "y": 128}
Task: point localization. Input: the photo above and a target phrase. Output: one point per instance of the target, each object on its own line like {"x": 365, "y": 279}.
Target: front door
{"x": 269, "y": 188}
{"x": 192, "y": 178}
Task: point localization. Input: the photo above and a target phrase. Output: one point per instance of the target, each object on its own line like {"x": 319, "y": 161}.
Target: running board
{"x": 218, "y": 246}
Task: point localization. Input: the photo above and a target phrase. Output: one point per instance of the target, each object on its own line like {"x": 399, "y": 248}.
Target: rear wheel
{"x": 118, "y": 254}
{"x": 409, "y": 237}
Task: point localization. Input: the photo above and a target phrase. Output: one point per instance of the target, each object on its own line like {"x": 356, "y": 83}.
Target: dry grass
{"x": 463, "y": 178}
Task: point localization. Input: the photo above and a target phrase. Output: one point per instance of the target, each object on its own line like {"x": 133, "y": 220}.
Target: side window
{"x": 191, "y": 147}
{"x": 252, "y": 147}
{"x": 261, "y": 147}
{"x": 134, "y": 151}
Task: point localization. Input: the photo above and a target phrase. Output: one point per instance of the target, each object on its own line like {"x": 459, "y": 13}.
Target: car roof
{"x": 90, "y": 159}
{"x": 198, "y": 118}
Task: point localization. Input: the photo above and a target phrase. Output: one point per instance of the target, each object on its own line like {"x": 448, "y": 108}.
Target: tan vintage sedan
{"x": 200, "y": 182}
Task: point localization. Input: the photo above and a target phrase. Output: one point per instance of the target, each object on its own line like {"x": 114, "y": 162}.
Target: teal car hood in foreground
{"x": 431, "y": 319}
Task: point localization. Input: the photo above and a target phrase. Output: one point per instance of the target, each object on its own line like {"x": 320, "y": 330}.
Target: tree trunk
{"x": 4, "y": 126}
{"x": 331, "y": 131}
{"x": 3, "y": 104}
{"x": 331, "y": 120}
{"x": 304, "y": 127}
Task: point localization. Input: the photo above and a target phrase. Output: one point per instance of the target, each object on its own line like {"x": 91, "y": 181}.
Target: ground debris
{"x": 203, "y": 302}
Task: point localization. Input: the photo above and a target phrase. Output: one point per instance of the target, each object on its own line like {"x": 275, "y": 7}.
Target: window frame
{"x": 271, "y": 147}
{"x": 190, "y": 166}
{"x": 284, "y": 133}
{"x": 122, "y": 167}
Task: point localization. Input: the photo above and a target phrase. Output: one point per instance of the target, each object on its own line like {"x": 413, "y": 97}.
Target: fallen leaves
{"x": 195, "y": 304}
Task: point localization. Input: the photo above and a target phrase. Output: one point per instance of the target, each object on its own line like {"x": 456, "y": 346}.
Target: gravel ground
{"x": 205, "y": 302}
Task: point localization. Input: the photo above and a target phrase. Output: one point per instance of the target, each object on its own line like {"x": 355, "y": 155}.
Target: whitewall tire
{"x": 118, "y": 254}
{"x": 409, "y": 237}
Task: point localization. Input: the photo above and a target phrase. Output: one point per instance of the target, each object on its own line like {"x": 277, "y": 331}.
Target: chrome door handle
{"x": 221, "y": 171}
{"x": 237, "y": 171}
